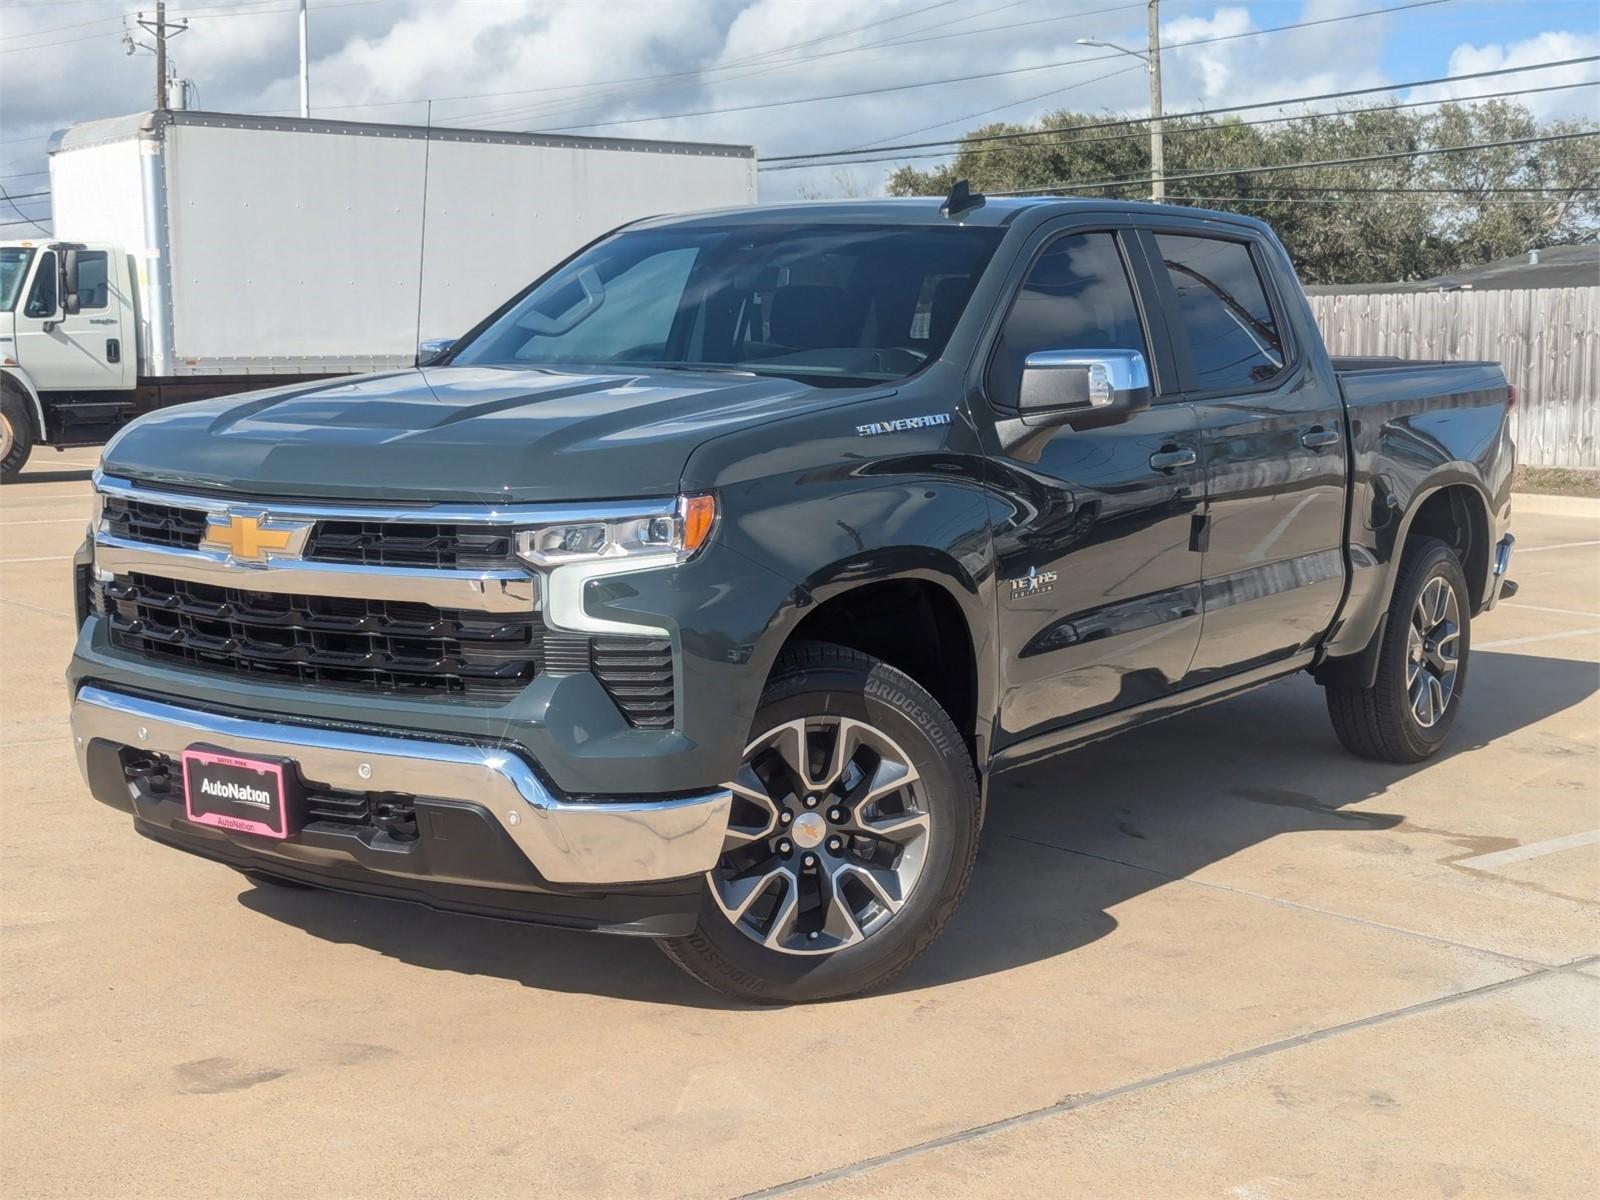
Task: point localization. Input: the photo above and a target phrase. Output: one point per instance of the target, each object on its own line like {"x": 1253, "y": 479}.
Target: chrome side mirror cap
{"x": 1083, "y": 388}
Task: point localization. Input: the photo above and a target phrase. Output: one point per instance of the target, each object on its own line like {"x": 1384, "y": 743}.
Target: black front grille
{"x": 157, "y": 524}
{"x": 413, "y": 544}
{"x": 637, "y": 674}
{"x": 369, "y": 645}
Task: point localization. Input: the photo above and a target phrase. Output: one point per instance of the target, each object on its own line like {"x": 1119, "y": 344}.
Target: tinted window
{"x": 42, "y": 295}
{"x": 1076, "y": 297}
{"x": 92, "y": 288}
{"x": 1223, "y": 311}
{"x": 633, "y": 324}
{"x": 826, "y": 303}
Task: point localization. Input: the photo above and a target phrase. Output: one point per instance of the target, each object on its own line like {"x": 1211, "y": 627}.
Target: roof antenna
{"x": 960, "y": 199}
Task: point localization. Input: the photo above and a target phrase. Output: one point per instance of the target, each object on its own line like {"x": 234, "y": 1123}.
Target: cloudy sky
{"x": 784, "y": 75}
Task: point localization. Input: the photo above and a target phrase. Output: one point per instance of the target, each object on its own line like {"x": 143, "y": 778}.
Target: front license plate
{"x": 250, "y": 795}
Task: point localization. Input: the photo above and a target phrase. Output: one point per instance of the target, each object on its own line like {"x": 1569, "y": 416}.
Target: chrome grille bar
{"x": 507, "y": 591}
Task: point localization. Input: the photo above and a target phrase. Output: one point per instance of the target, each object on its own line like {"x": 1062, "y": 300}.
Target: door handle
{"x": 1171, "y": 460}
{"x": 1317, "y": 437}
{"x": 113, "y": 350}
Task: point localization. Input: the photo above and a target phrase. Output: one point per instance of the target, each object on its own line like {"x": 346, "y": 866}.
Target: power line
{"x": 1327, "y": 162}
{"x": 996, "y": 74}
{"x": 594, "y": 94}
{"x": 1345, "y": 200}
{"x": 1123, "y": 123}
{"x": 1181, "y": 132}
{"x": 26, "y": 219}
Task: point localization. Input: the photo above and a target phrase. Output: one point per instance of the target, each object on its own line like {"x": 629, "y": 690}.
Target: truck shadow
{"x": 1066, "y": 842}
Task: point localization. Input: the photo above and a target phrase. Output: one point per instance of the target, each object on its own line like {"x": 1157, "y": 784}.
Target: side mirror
{"x": 433, "y": 350}
{"x": 1083, "y": 388}
{"x": 69, "y": 282}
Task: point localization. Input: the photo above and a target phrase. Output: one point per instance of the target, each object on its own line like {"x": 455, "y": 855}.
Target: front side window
{"x": 1077, "y": 296}
{"x": 93, "y": 286}
{"x": 1223, "y": 312}
{"x": 14, "y": 262}
{"x": 42, "y": 296}
{"x": 836, "y": 304}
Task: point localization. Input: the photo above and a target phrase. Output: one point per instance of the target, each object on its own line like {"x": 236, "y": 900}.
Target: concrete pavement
{"x": 1216, "y": 958}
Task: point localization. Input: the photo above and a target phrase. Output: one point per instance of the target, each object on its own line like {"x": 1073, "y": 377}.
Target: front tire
{"x": 16, "y": 436}
{"x": 1407, "y": 714}
{"x": 853, "y": 834}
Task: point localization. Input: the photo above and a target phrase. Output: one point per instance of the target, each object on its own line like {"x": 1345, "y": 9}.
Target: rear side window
{"x": 1223, "y": 312}
{"x": 1077, "y": 296}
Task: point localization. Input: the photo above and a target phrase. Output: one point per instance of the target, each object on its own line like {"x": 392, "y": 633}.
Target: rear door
{"x": 1099, "y": 586}
{"x": 1273, "y": 432}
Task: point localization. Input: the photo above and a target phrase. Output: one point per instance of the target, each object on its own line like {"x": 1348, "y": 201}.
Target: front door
{"x": 1099, "y": 583}
{"x": 1273, "y": 434}
{"x": 84, "y": 351}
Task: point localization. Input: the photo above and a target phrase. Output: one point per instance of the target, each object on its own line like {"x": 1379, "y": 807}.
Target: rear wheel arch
{"x": 1454, "y": 511}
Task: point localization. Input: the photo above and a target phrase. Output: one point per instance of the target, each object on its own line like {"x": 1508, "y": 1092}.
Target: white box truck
{"x": 196, "y": 254}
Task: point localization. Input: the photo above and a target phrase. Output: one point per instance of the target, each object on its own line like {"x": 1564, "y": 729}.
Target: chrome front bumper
{"x": 568, "y": 842}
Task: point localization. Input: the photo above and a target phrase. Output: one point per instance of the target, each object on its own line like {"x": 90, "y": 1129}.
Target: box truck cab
{"x": 67, "y": 333}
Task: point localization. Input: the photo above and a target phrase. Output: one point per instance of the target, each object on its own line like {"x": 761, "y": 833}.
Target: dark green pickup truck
{"x": 704, "y": 590}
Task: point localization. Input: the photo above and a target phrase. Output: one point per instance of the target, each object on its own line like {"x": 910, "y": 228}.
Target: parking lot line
{"x": 1570, "y": 612}
{"x": 1538, "y": 637}
{"x": 1502, "y": 858}
{"x": 1557, "y": 546}
{"x": 41, "y": 558}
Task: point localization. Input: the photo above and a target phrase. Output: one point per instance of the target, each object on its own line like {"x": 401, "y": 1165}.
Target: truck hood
{"x": 470, "y": 434}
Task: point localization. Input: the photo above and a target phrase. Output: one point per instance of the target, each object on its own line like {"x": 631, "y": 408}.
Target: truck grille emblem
{"x": 254, "y": 538}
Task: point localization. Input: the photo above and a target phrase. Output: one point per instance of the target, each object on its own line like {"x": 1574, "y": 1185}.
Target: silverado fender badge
{"x": 1034, "y": 583}
{"x": 874, "y": 428}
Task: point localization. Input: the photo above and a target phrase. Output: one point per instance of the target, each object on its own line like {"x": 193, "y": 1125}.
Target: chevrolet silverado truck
{"x": 706, "y": 590}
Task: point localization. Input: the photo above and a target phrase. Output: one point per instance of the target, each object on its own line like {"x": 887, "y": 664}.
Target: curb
{"x": 1554, "y": 506}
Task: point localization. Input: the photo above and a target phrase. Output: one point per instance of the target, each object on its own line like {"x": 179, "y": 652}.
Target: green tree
{"x": 1395, "y": 219}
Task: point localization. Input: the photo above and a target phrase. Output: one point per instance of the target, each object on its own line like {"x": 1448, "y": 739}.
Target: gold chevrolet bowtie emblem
{"x": 250, "y": 538}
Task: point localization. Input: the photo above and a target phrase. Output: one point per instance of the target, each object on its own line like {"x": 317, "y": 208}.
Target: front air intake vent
{"x": 637, "y": 674}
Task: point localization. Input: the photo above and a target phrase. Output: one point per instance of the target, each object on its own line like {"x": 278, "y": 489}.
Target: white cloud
{"x": 558, "y": 63}
{"x": 1546, "y": 47}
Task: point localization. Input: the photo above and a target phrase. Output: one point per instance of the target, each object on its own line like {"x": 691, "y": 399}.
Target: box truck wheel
{"x": 16, "y": 436}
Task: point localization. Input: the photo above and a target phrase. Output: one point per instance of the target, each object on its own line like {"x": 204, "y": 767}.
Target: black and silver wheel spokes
{"x": 1433, "y": 652}
{"x": 827, "y": 837}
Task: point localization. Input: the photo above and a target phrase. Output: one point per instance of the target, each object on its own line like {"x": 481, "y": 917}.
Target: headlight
{"x": 662, "y": 538}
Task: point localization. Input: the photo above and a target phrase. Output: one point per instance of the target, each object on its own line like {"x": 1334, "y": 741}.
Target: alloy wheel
{"x": 827, "y": 839}
{"x": 8, "y": 436}
{"x": 1433, "y": 652}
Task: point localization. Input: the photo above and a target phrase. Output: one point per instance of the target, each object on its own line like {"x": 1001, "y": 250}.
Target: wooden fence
{"x": 1548, "y": 339}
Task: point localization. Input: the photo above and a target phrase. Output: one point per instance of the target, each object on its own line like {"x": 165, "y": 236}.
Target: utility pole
{"x": 1158, "y": 158}
{"x": 160, "y": 28}
{"x": 305, "y": 66}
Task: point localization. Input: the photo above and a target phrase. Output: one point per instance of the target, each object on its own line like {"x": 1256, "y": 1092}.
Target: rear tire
{"x": 820, "y": 900}
{"x": 1407, "y": 713}
{"x": 16, "y": 436}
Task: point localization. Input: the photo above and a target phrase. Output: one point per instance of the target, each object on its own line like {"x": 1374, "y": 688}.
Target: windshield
{"x": 14, "y": 262}
{"x": 826, "y": 303}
